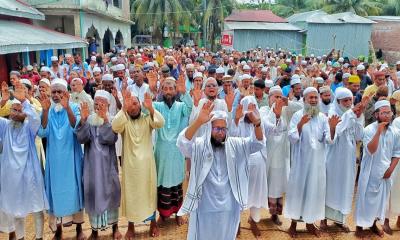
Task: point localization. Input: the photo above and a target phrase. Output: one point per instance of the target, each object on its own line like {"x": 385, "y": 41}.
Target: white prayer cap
{"x": 309, "y": 90}
{"x": 342, "y": 92}
{"x": 67, "y": 55}
{"x": 120, "y": 67}
{"x": 383, "y": 67}
{"x": 312, "y": 55}
{"x": 151, "y": 64}
{"x": 190, "y": 67}
{"x": 382, "y": 103}
{"x": 246, "y": 67}
{"x": 15, "y": 101}
{"x": 59, "y": 82}
{"x": 220, "y": 70}
{"x": 202, "y": 68}
{"x": 288, "y": 61}
{"x": 319, "y": 80}
{"x": 295, "y": 81}
{"x": 197, "y": 75}
{"x": 54, "y": 58}
{"x": 103, "y": 94}
{"x": 77, "y": 79}
{"x": 303, "y": 62}
{"x": 269, "y": 83}
{"x": 324, "y": 89}
{"x": 346, "y": 75}
{"x": 264, "y": 69}
{"x": 275, "y": 89}
{"x": 93, "y": 58}
{"x": 227, "y": 78}
{"x": 138, "y": 55}
{"x": 45, "y": 80}
{"x": 219, "y": 115}
{"x": 329, "y": 63}
{"x": 26, "y": 81}
{"x": 272, "y": 59}
{"x": 114, "y": 59}
{"x": 246, "y": 76}
{"x": 211, "y": 79}
{"x": 107, "y": 77}
{"x": 96, "y": 69}
{"x": 141, "y": 50}
{"x": 243, "y": 63}
{"x": 29, "y": 68}
{"x": 319, "y": 58}
{"x": 360, "y": 67}
{"x": 246, "y": 101}
{"x": 341, "y": 60}
{"x": 398, "y": 63}
{"x": 45, "y": 69}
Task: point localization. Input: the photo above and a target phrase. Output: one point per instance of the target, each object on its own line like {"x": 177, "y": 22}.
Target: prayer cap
{"x": 220, "y": 70}
{"x": 275, "y": 89}
{"x": 29, "y": 68}
{"x": 346, "y": 65}
{"x": 96, "y": 69}
{"x": 45, "y": 69}
{"x": 15, "y": 101}
{"x": 343, "y": 92}
{"x": 354, "y": 79}
{"x": 120, "y": 67}
{"x": 319, "y": 80}
{"x": 76, "y": 68}
{"x": 26, "y": 81}
{"x": 190, "y": 66}
{"x": 288, "y": 61}
{"x": 269, "y": 83}
{"x": 93, "y": 58}
{"x": 246, "y": 76}
{"x": 219, "y": 115}
{"x": 382, "y": 103}
{"x": 45, "y": 80}
{"x": 227, "y": 78}
{"x": 67, "y": 55}
{"x": 360, "y": 67}
{"x": 107, "y": 77}
{"x": 398, "y": 63}
{"x": 309, "y": 90}
{"x": 54, "y": 58}
{"x": 341, "y": 60}
{"x": 246, "y": 67}
{"x": 324, "y": 89}
{"x": 303, "y": 62}
{"x": 114, "y": 59}
{"x": 264, "y": 69}
{"x": 77, "y": 79}
{"x": 103, "y": 94}
{"x": 346, "y": 75}
{"x": 197, "y": 75}
{"x": 59, "y": 82}
{"x": 295, "y": 80}
{"x": 329, "y": 63}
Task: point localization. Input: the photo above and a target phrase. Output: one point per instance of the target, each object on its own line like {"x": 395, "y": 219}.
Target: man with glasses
{"x": 218, "y": 185}
{"x": 381, "y": 155}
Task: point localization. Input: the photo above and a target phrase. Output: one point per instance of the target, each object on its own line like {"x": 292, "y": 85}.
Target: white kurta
{"x": 373, "y": 190}
{"x": 305, "y": 197}
{"x": 394, "y": 203}
{"x": 278, "y": 147}
{"x": 341, "y": 162}
{"x": 7, "y": 224}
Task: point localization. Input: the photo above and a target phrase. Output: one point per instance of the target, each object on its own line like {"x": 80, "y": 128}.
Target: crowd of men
{"x": 246, "y": 128}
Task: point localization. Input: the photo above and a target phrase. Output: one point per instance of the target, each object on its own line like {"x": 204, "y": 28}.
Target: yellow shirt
{"x": 370, "y": 89}
{"x": 5, "y": 110}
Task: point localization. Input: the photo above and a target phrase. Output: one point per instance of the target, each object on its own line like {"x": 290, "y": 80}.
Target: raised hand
{"x": 205, "y": 112}
{"x": 19, "y": 92}
{"x": 239, "y": 113}
{"x": 114, "y": 92}
{"x": 229, "y": 98}
{"x": 382, "y": 126}
{"x": 45, "y": 101}
{"x": 334, "y": 121}
{"x": 180, "y": 84}
{"x": 85, "y": 112}
{"x": 253, "y": 115}
{"x": 65, "y": 100}
{"x": 291, "y": 94}
{"x": 128, "y": 101}
{"x": 152, "y": 78}
{"x": 148, "y": 101}
{"x": 279, "y": 103}
{"x": 305, "y": 119}
{"x": 196, "y": 94}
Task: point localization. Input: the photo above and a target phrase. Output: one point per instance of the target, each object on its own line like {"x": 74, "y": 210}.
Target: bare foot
{"x": 94, "y": 235}
{"x": 324, "y": 225}
{"x": 130, "y": 233}
{"x": 398, "y": 222}
{"x": 292, "y": 230}
{"x": 344, "y": 227}
{"x": 154, "y": 230}
{"x": 275, "y": 219}
{"x": 80, "y": 236}
{"x": 254, "y": 228}
{"x": 376, "y": 230}
{"x": 359, "y": 233}
{"x": 313, "y": 230}
{"x": 161, "y": 220}
{"x": 117, "y": 235}
{"x": 386, "y": 228}
{"x": 179, "y": 220}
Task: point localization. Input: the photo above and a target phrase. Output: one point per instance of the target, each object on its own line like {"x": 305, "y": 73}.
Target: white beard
{"x": 15, "y": 124}
{"x": 58, "y": 107}
{"x": 95, "y": 120}
{"x": 311, "y": 110}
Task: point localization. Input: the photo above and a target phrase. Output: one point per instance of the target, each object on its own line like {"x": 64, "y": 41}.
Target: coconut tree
{"x": 359, "y": 7}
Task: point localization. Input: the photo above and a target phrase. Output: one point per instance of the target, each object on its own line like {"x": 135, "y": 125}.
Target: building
{"x": 107, "y": 21}
{"x": 385, "y": 36}
{"x": 246, "y": 29}
{"x": 346, "y": 32}
{"x": 22, "y": 43}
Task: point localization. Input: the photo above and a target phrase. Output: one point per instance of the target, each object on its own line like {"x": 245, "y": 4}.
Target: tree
{"x": 158, "y": 14}
{"x": 391, "y": 7}
{"x": 359, "y": 7}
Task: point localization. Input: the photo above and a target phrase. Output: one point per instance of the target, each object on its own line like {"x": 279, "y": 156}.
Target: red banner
{"x": 227, "y": 39}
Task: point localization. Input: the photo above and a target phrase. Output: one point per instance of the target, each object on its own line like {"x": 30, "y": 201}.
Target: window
{"x": 117, "y": 3}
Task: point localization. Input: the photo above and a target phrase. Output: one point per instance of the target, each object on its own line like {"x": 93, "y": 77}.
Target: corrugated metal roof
{"x": 320, "y": 16}
{"x": 18, "y": 8}
{"x": 254, "y": 16}
{"x": 261, "y": 26}
{"x": 21, "y": 37}
{"x": 349, "y": 17}
{"x": 385, "y": 18}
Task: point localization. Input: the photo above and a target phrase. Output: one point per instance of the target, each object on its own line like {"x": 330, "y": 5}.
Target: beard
{"x": 134, "y": 117}
{"x": 217, "y": 143}
{"x": 343, "y": 108}
{"x": 311, "y": 110}
{"x": 15, "y": 124}
{"x": 58, "y": 107}
{"x": 326, "y": 101}
{"x": 95, "y": 120}
{"x": 169, "y": 100}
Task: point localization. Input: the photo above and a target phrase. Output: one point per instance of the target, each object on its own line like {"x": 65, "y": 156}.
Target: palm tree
{"x": 391, "y": 7}
{"x": 359, "y": 7}
{"x": 155, "y": 15}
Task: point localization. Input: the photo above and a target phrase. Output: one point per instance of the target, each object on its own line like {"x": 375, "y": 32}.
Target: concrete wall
{"x": 385, "y": 36}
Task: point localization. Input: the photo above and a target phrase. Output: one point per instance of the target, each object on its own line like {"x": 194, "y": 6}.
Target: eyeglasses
{"x": 387, "y": 114}
{"x": 219, "y": 129}
{"x": 211, "y": 85}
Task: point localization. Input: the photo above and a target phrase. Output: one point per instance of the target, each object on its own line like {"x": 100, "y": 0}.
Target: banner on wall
{"x": 227, "y": 39}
